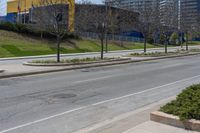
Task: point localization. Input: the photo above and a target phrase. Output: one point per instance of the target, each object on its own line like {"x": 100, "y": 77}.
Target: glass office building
{"x": 190, "y": 12}
{"x": 169, "y": 12}
{"x": 136, "y": 5}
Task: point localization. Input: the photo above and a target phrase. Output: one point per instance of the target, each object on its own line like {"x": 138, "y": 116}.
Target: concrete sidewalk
{"x": 137, "y": 121}
{"x": 20, "y": 60}
{"x": 154, "y": 127}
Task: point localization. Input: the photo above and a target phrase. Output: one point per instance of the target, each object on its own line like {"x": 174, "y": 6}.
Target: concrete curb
{"x": 90, "y": 66}
{"x": 70, "y": 64}
{"x": 171, "y": 120}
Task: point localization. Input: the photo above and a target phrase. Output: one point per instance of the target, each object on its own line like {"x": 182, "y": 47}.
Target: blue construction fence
{"x": 11, "y": 17}
{"x": 122, "y": 37}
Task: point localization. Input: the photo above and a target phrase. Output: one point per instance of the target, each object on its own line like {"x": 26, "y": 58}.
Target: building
{"x": 135, "y": 5}
{"x": 18, "y": 10}
{"x": 166, "y": 9}
{"x": 189, "y": 13}
{"x": 87, "y": 17}
{"x": 169, "y": 12}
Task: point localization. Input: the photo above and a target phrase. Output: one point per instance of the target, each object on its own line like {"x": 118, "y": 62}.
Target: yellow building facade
{"x": 25, "y": 5}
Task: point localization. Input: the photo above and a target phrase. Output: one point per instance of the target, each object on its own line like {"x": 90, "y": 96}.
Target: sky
{"x": 96, "y": 1}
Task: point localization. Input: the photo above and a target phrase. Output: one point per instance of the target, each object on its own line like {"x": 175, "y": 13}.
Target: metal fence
{"x": 93, "y": 35}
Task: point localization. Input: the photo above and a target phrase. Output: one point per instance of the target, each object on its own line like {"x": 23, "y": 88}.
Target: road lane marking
{"x": 173, "y": 65}
{"x": 94, "y": 79}
{"x": 95, "y": 104}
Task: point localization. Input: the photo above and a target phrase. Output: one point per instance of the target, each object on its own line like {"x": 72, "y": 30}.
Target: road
{"x": 64, "y": 102}
{"x": 20, "y": 60}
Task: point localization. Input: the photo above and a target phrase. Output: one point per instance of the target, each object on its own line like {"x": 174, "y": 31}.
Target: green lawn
{"x": 15, "y": 45}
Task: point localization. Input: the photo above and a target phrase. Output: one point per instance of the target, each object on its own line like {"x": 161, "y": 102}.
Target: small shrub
{"x": 75, "y": 60}
{"x": 186, "y": 105}
{"x": 31, "y": 31}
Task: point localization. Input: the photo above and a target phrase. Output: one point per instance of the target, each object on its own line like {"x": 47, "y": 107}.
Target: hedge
{"x": 186, "y": 105}
{"x": 29, "y": 31}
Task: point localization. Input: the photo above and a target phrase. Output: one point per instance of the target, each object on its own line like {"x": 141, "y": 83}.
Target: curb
{"x": 172, "y": 120}
{"x": 71, "y": 64}
{"x": 91, "y": 66}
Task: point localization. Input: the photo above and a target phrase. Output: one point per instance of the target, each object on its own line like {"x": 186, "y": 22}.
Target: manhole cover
{"x": 63, "y": 96}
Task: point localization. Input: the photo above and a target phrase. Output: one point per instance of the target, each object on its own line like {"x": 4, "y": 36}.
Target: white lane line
{"x": 118, "y": 98}
{"x": 173, "y": 65}
{"x": 102, "y": 102}
{"x": 94, "y": 79}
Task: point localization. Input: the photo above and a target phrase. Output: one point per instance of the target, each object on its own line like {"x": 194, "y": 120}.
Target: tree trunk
{"x": 102, "y": 49}
{"x": 106, "y": 37}
{"x": 181, "y": 40}
{"x": 186, "y": 41}
{"x": 145, "y": 44}
{"x": 58, "y": 49}
{"x": 166, "y": 44}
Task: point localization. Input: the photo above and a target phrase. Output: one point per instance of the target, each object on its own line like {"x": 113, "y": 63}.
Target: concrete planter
{"x": 70, "y": 64}
{"x": 172, "y": 120}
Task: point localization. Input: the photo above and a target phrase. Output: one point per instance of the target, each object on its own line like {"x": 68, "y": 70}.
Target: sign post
{"x": 3, "y": 8}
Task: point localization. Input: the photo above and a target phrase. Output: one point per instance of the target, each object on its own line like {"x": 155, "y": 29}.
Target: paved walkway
{"x": 20, "y": 60}
{"x": 137, "y": 121}
{"x": 154, "y": 127}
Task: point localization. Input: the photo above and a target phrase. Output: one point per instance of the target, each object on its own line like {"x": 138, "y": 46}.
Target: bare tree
{"x": 168, "y": 21}
{"x": 91, "y": 18}
{"x": 146, "y": 25}
{"x": 53, "y": 16}
{"x": 39, "y": 20}
{"x": 95, "y": 18}
{"x": 189, "y": 28}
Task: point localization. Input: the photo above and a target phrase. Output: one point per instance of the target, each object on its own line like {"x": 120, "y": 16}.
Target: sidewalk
{"x": 137, "y": 121}
{"x": 88, "y": 54}
{"x": 153, "y": 127}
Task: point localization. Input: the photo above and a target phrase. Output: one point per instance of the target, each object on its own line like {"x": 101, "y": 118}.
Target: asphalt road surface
{"x": 64, "y": 102}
